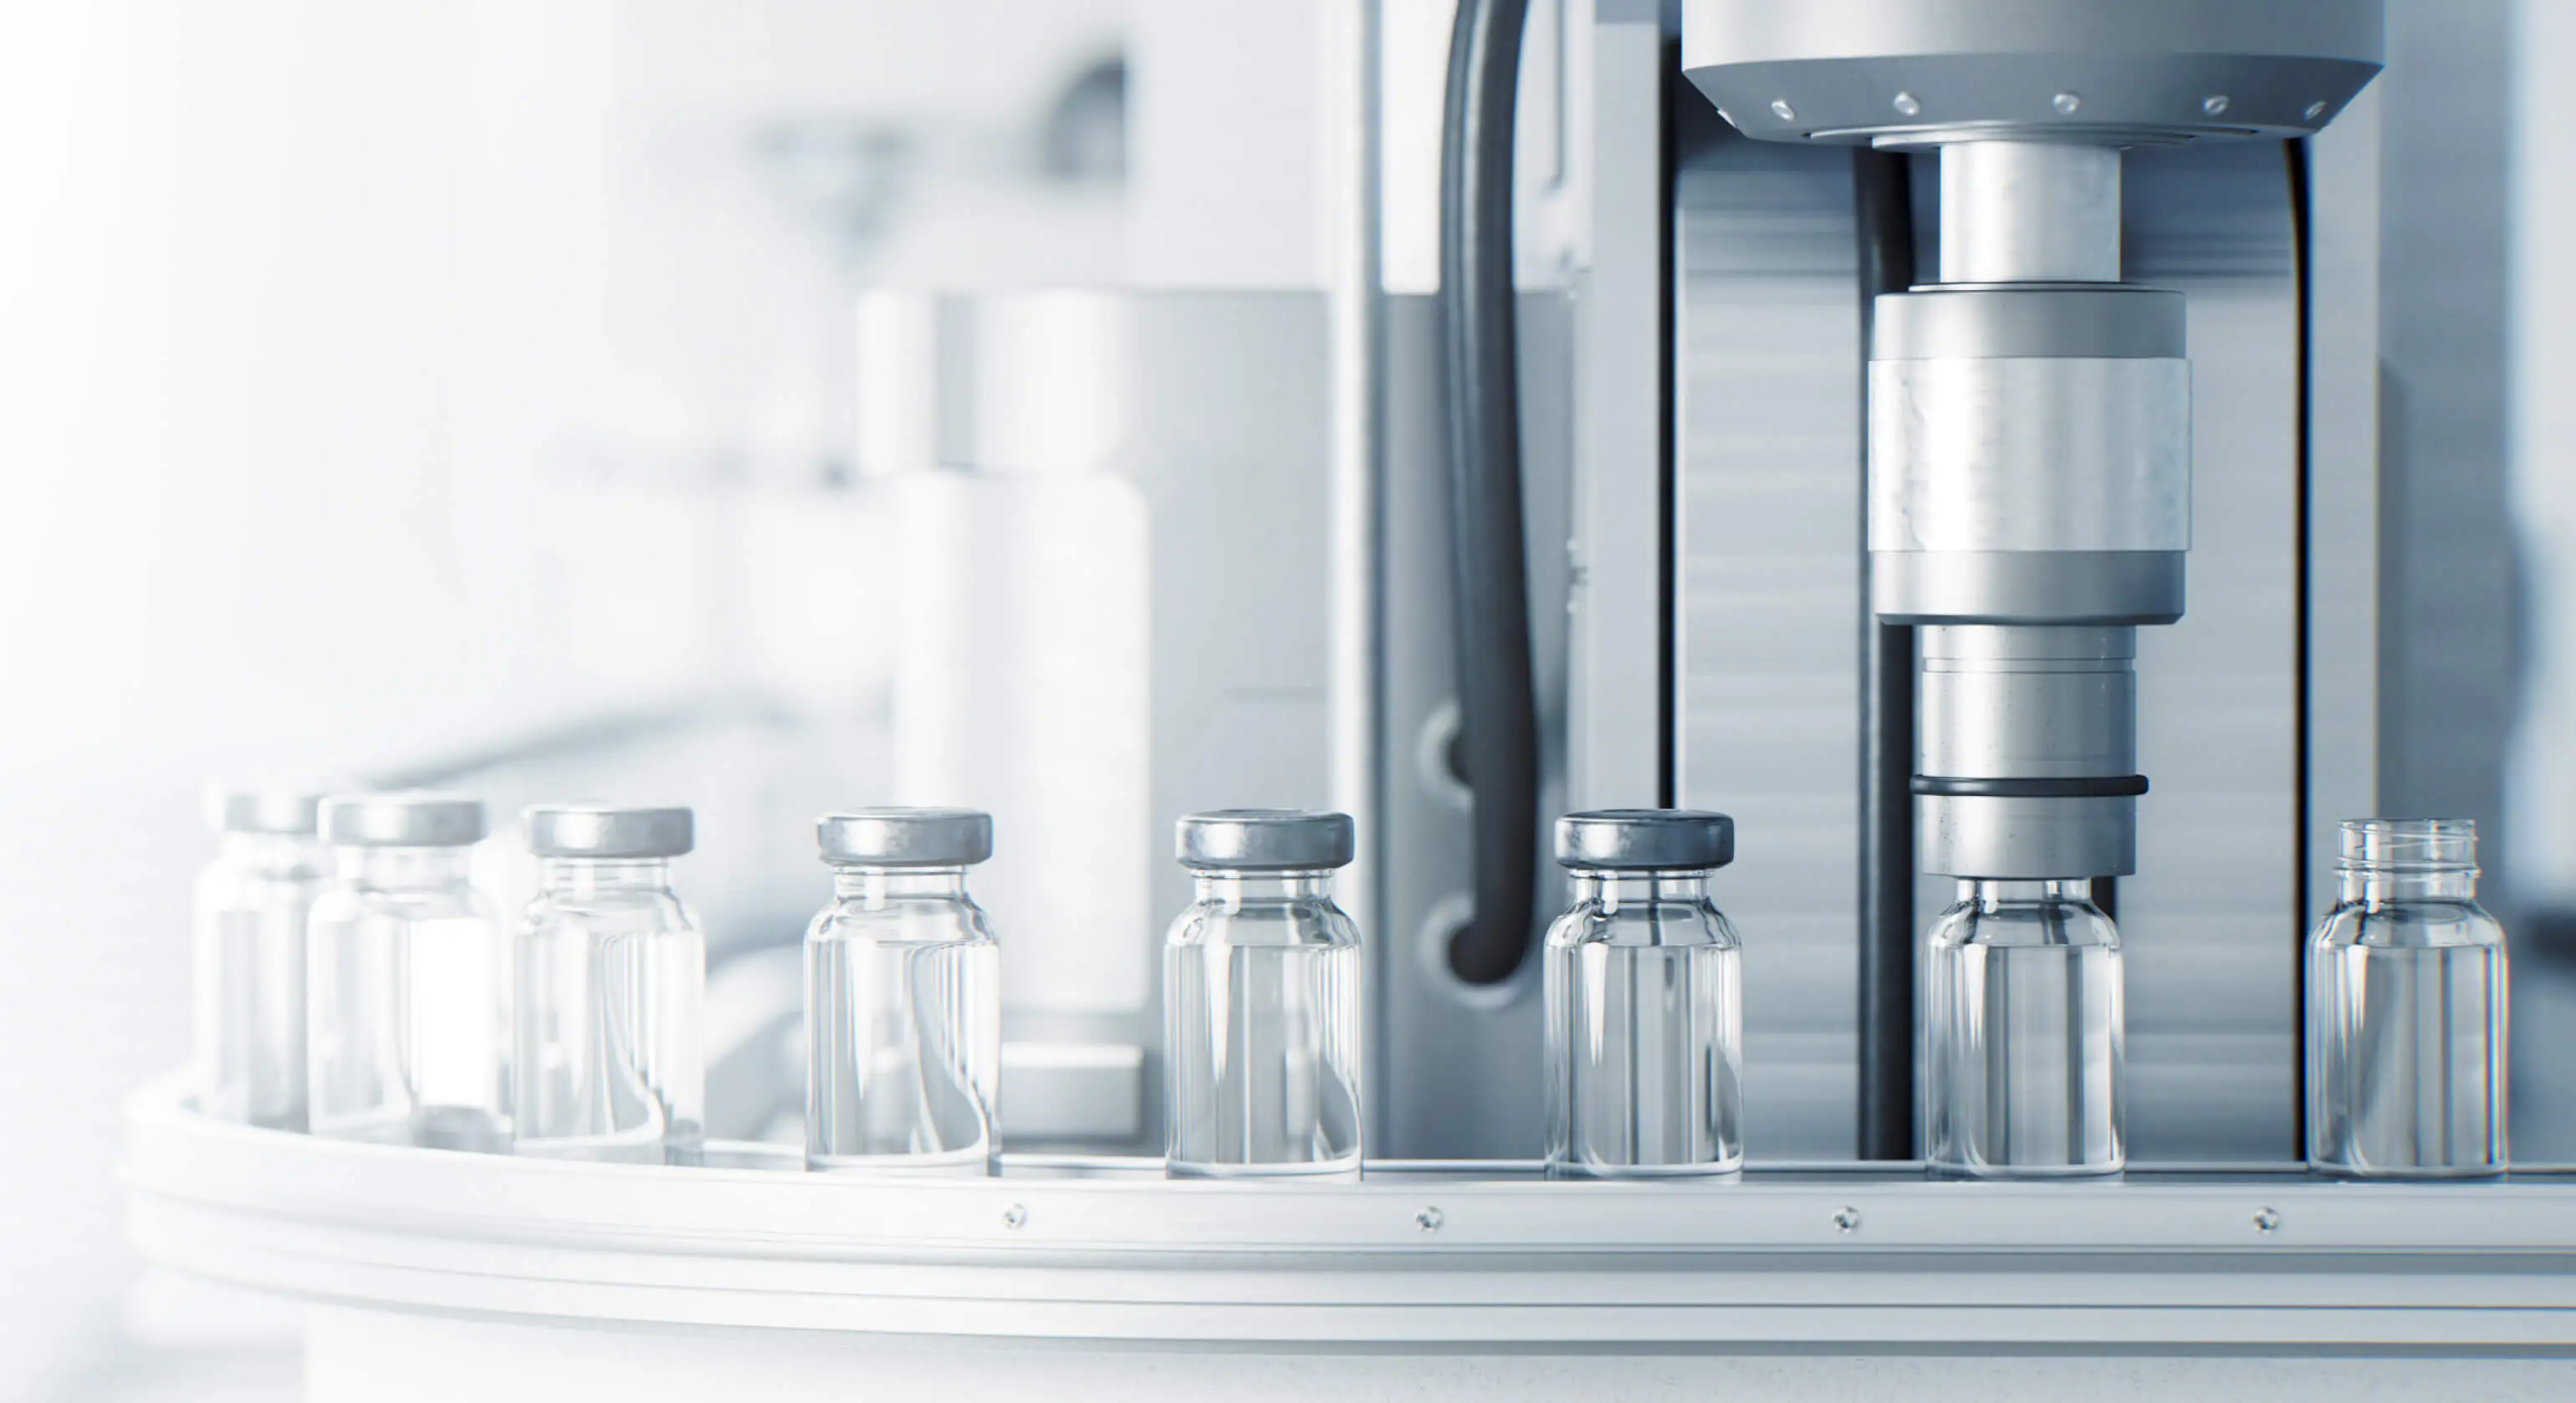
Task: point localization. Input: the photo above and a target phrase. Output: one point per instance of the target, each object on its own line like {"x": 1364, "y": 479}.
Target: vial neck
{"x": 1236, "y": 889}
{"x": 586, "y": 877}
{"x": 1988, "y": 894}
{"x": 406, "y": 867}
{"x": 2379, "y": 887}
{"x": 1612, "y": 890}
{"x": 879, "y": 886}
{"x": 284, "y": 856}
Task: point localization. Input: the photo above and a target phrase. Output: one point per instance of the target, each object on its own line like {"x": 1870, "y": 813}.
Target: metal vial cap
{"x": 265, "y": 808}
{"x": 407, "y": 819}
{"x": 1265, "y": 840}
{"x": 900, "y": 837}
{"x": 1645, "y": 840}
{"x": 595, "y": 831}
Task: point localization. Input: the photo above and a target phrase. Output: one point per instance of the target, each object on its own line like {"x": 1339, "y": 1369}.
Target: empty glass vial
{"x": 2023, "y": 1030}
{"x": 903, "y": 998}
{"x": 612, "y": 972}
{"x": 2406, "y": 1009}
{"x": 1261, "y": 1000}
{"x": 251, "y": 905}
{"x": 1645, "y": 1001}
{"x": 407, "y": 980}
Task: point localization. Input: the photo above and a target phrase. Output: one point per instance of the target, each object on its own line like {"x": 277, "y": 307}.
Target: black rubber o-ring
{"x": 2060, "y": 787}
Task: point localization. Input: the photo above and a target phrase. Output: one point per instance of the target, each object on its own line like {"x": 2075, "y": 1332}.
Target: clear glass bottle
{"x": 1645, "y": 1002}
{"x": 251, "y": 904}
{"x": 408, "y": 980}
{"x": 612, "y": 972}
{"x": 903, "y": 998}
{"x": 2023, "y": 1030}
{"x": 1261, "y": 1001}
{"x": 2406, "y": 1009}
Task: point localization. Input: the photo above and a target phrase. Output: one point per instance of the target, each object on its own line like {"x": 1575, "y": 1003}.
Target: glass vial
{"x": 408, "y": 980}
{"x": 2023, "y": 1026}
{"x": 2406, "y": 1009}
{"x": 1645, "y": 1001}
{"x": 612, "y": 972}
{"x": 903, "y": 998}
{"x": 251, "y": 905}
{"x": 1261, "y": 1000}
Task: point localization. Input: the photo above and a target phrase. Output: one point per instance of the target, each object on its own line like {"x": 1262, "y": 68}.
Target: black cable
{"x": 1687, "y": 121}
{"x": 1883, "y": 214}
{"x": 1498, "y": 710}
{"x": 2296, "y": 167}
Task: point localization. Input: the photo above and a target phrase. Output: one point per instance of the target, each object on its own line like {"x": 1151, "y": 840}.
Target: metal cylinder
{"x": 2029, "y": 703}
{"x": 2029, "y": 212}
{"x": 2029, "y": 752}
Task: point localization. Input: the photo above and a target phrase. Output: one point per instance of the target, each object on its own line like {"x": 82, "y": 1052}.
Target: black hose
{"x": 2303, "y": 283}
{"x": 1498, "y": 711}
{"x": 1883, "y": 212}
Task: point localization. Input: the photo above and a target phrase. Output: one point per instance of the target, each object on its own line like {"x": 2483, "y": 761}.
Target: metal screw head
{"x": 2315, "y": 110}
{"x": 2066, "y": 103}
{"x": 2267, "y": 1220}
{"x": 2214, "y": 104}
{"x": 1429, "y": 1220}
{"x": 1847, "y": 1219}
{"x": 1906, "y": 106}
{"x": 1781, "y": 109}
{"x": 1014, "y": 1216}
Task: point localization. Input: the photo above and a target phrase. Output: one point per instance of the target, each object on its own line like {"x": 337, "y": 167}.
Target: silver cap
{"x": 1265, "y": 840}
{"x": 408, "y": 819}
{"x": 898, "y": 837}
{"x": 570, "y": 830}
{"x": 265, "y": 808}
{"x": 1646, "y": 840}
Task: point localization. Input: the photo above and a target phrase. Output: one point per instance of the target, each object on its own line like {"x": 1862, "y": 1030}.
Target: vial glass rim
{"x": 2409, "y": 845}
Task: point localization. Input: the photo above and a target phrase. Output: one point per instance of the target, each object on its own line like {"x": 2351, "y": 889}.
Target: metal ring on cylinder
{"x": 2030, "y": 455}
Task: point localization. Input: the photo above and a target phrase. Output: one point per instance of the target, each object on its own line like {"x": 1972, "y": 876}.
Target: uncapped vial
{"x": 1261, "y": 1000}
{"x": 903, "y": 998}
{"x": 1645, "y": 1001}
{"x": 251, "y": 905}
{"x": 2406, "y": 1009}
{"x": 407, "y": 980}
{"x": 612, "y": 973}
{"x": 2023, "y": 1032}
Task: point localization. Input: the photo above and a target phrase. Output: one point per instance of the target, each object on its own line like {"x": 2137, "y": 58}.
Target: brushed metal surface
{"x": 2029, "y": 212}
{"x": 1907, "y": 70}
{"x": 2029, "y": 701}
{"x": 2030, "y": 453}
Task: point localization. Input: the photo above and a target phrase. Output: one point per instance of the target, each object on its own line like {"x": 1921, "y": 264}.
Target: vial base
{"x": 2025, "y": 1061}
{"x": 2409, "y": 1048}
{"x": 905, "y": 1060}
{"x": 1644, "y": 1049}
{"x": 1264, "y": 1076}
